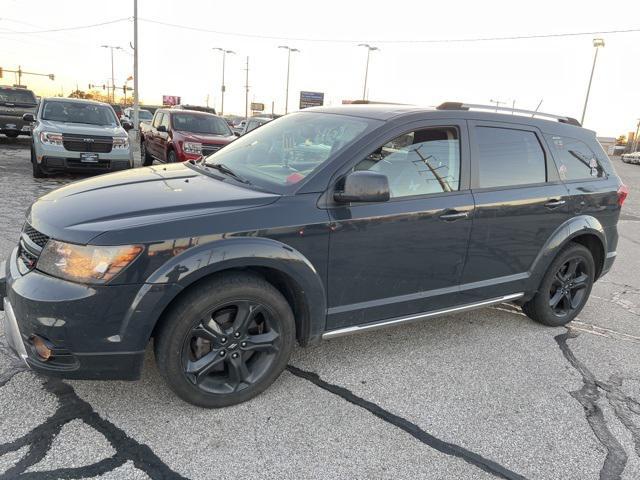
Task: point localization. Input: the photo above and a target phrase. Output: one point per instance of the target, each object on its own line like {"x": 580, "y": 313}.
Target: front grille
{"x": 87, "y": 143}
{"x": 210, "y": 149}
{"x": 35, "y": 236}
{"x": 27, "y": 257}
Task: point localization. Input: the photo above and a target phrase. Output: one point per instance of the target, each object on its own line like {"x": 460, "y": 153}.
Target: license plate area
{"x": 89, "y": 157}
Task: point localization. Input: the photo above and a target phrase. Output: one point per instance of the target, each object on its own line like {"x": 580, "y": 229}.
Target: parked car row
{"x": 631, "y": 157}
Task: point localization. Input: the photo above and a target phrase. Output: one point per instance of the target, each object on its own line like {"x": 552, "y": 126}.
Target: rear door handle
{"x": 451, "y": 217}
{"x": 554, "y": 203}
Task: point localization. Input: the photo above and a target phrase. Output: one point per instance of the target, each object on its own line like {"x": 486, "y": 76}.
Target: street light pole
{"x": 223, "y": 88}
{"x": 289, "y": 50}
{"x": 597, "y": 43}
{"x": 136, "y": 101}
{"x": 366, "y": 70}
{"x": 113, "y": 81}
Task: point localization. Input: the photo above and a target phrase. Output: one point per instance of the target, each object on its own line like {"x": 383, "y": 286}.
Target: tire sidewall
{"x": 180, "y": 321}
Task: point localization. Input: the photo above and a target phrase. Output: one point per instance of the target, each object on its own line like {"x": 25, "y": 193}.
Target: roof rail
{"x": 533, "y": 113}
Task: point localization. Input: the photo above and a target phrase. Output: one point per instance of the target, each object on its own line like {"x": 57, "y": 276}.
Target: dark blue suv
{"x": 319, "y": 224}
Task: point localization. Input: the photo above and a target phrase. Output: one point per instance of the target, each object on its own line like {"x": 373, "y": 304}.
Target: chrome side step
{"x": 366, "y": 327}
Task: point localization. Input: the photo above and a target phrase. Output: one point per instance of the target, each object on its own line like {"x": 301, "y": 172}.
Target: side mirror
{"x": 28, "y": 117}
{"x": 363, "y": 186}
{"x": 126, "y": 125}
{"x": 237, "y": 134}
{"x": 161, "y": 128}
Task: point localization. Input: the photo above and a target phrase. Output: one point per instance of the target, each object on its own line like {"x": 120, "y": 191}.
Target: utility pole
{"x": 366, "y": 69}
{"x": 113, "y": 81}
{"x": 597, "y": 43}
{"x": 223, "y": 88}
{"x": 289, "y": 50}
{"x": 635, "y": 137}
{"x": 21, "y": 72}
{"x": 246, "y": 92}
{"x": 136, "y": 104}
{"x": 498, "y": 103}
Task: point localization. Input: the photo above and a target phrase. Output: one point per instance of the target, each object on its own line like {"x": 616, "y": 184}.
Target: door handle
{"x": 451, "y": 217}
{"x": 554, "y": 203}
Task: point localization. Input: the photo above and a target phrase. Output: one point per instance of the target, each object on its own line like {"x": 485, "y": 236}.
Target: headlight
{"x": 50, "y": 138}
{"x": 86, "y": 264}
{"x": 121, "y": 143}
{"x": 192, "y": 147}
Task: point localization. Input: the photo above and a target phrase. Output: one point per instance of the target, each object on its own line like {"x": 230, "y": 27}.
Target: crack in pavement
{"x": 412, "y": 429}
{"x": 11, "y": 366}
{"x": 623, "y": 405}
{"x": 72, "y": 407}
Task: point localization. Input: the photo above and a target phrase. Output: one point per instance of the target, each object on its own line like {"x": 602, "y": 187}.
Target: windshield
{"x": 14, "y": 95}
{"x": 78, "y": 112}
{"x": 144, "y": 115}
{"x": 199, "y": 123}
{"x": 283, "y": 152}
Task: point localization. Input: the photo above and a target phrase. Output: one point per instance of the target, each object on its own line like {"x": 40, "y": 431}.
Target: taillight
{"x": 623, "y": 193}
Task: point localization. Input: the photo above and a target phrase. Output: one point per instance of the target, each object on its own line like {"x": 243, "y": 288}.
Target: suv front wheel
{"x": 225, "y": 341}
{"x": 565, "y": 287}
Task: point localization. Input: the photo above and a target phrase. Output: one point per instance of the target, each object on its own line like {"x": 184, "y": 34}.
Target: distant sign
{"x": 170, "y": 100}
{"x": 257, "y": 107}
{"x": 311, "y": 99}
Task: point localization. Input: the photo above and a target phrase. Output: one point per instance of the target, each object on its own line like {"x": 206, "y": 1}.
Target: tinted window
{"x": 78, "y": 112}
{"x": 575, "y": 160}
{"x": 509, "y": 157}
{"x": 419, "y": 162}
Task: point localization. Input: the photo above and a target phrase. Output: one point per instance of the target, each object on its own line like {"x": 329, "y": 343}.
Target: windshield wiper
{"x": 221, "y": 167}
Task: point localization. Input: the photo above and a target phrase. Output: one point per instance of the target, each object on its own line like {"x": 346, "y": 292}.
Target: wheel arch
{"x": 585, "y": 230}
{"x": 282, "y": 266}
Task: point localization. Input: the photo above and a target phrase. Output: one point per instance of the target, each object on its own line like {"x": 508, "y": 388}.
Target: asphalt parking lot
{"x": 484, "y": 394}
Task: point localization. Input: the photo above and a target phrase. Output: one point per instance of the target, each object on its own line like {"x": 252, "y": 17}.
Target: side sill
{"x": 341, "y": 332}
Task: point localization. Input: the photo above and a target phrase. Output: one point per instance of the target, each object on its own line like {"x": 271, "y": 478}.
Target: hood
{"x": 83, "y": 128}
{"x": 82, "y": 210}
{"x": 204, "y": 138}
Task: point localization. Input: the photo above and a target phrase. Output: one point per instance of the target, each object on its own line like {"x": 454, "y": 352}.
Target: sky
{"x": 408, "y": 67}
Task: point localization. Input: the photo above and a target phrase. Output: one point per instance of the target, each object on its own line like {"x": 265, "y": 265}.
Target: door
{"x": 520, "y": 201}
{"x": 162, "y": 138}
{"x": 406, "y": 255}
{"x": 152, "y": 144}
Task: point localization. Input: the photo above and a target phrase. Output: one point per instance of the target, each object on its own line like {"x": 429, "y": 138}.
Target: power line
{"x": 66, "y": 29}
{"x": 440, "y": 40}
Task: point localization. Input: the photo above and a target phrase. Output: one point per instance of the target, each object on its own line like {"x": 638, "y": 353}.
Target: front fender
{"x": 572, "y": 228}
{"x": 240, "y": 252}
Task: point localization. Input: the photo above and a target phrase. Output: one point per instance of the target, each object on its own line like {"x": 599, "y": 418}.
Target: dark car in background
{"x": 177, "y": 135}
{"x": 14, "y": 103}
{"x": 322, "y": 223}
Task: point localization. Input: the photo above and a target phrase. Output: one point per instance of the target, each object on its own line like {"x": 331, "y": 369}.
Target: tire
{"x": 172, "y": 157}
{"x": 563, "y": 294}
{"x": 211, "y": 355}
{"x": 145, "y": 158}
{"x": 37, "y": 169}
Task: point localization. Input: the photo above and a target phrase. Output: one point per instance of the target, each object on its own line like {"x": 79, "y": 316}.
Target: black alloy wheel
{"x": 565, "y": 287}
{"x": 231, "y": 347}
{"x": 225, "y": 340}
{"x": 569, "y": 287}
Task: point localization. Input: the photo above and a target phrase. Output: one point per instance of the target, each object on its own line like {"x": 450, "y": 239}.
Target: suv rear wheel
{"x": 225, "y": 341}
{"x": 565, "y": 287}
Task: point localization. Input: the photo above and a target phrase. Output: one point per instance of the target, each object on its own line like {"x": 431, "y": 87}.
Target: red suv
{"x": 180, "y": 135}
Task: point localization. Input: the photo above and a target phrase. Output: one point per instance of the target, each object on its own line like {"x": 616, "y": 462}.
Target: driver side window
{"x": 419, "y": 162}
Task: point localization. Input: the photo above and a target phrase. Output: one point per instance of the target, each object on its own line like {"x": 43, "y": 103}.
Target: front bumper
{"x": 96, "y": 332}
{"x": 71, "y": 164}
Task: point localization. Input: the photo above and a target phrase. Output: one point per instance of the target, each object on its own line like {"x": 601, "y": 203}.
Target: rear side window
{"x": 575, "y": 160}
{"x": 508, "y": 157}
